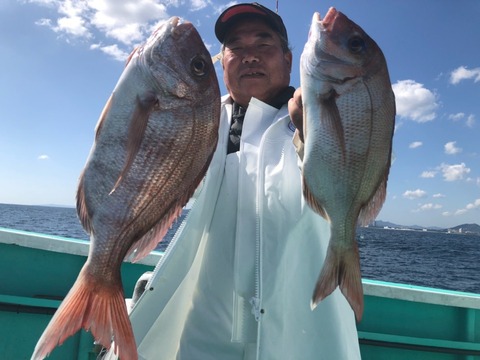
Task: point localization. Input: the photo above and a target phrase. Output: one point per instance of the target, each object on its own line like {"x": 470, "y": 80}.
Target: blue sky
{"x": 59, "y": 62}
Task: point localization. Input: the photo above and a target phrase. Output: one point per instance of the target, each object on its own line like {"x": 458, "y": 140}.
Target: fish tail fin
{"x": 97, "y": 307}
{"x": 341, "y": 269}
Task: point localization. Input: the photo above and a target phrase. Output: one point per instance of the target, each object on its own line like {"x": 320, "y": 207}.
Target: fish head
{"x": 338, "y": 50}
{"x": 176, "y": 59}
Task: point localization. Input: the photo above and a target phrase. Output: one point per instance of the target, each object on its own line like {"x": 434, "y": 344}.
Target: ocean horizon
{"x": 424, "y": 258}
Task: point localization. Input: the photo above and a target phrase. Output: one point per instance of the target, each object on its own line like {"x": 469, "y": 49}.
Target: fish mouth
{"x": 327, "y": 22}
{"x": 174, "y": 21}
{"x": 179, "y": 28}
{"x": 174, "y": 26}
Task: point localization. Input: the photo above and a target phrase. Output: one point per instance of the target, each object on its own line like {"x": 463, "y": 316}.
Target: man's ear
{"x": 288, "y": 58}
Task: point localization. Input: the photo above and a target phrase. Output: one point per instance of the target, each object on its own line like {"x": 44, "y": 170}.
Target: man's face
{"x": 254, "y": 63}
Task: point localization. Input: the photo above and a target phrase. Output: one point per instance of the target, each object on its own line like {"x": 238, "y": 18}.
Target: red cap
{"x": 228, "y": 17}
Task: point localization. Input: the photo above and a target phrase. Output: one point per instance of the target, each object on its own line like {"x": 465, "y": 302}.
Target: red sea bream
{"x": 153, "y": 144}
{"x": 349, "y": 116}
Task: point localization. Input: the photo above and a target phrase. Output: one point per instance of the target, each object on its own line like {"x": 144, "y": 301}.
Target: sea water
{"x": 425, "y": 258}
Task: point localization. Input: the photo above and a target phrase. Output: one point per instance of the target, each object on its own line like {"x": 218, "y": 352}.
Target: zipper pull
{"x": 256, "y": 311}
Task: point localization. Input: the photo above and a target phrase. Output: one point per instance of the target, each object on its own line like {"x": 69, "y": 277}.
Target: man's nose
{"x": 249, "y": 55}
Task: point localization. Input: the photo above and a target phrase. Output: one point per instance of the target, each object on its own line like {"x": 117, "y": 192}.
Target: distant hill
{"x": 464, "y": 228}
{"x": 467, "y": 228}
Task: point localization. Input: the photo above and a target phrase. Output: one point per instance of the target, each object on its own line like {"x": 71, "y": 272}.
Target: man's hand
{"x": 295, "y": 110}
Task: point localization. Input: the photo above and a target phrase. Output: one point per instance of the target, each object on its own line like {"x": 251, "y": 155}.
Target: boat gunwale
{"x": 59, "y": 244}
{"x": 375, "y": 288}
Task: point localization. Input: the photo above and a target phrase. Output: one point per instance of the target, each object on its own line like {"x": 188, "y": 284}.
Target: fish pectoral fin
{"x": 298, "y": 143}
{"x": 332, "y": 122}
{"x": 138, "y": 124}
{"x": 342, "y": 269}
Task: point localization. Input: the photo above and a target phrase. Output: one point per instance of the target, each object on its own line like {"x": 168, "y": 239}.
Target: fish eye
{"x": 356, "y": 44}
{"x": 198, "y": 66}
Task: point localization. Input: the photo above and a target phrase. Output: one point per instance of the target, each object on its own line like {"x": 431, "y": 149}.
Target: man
{"x": 236, "y": 282}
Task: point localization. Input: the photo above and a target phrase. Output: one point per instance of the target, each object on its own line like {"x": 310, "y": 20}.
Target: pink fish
{"x": 153, "y": 144}
{"x": 349, "y": 116}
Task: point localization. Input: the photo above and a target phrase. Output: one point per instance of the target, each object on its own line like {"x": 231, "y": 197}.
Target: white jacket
{"x": 237, "y": 280}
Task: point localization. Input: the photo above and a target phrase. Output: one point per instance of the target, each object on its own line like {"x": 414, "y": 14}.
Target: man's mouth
{"x": 252, "y": 74}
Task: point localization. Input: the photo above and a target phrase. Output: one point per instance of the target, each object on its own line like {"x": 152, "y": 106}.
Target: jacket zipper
{"x": 255, "y": 301}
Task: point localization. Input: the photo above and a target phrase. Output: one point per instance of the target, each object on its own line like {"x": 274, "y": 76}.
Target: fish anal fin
{"x": 145, "y": 104}
{"x": 342, "y": 269}
{"x": 370, "y": 210}
{"x": 150, "y": 240}
{"x": 99, "y": 308}
{"x": 82, "y": 209}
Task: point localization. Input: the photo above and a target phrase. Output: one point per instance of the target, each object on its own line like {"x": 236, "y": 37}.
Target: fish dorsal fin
{"x": 138, "y": 124}
{"x": 131, "y": 56}
{"x": 332, "y": 122}
{"x": 103, "y": 116}
{"x": 82, "y": 209}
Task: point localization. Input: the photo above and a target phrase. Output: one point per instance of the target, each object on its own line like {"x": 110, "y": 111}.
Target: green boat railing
{"x": 400, "y": 321}
{"x": 414, "y": 322}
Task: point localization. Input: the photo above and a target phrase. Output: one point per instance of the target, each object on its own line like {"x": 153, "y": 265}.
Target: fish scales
{"x": 349, "y": 115}
{"x": 153, "y": 144}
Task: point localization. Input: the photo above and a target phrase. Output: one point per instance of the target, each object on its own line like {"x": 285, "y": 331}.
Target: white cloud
{"x": 462, "y": 73}
{"x": 457, "y": 116}
{"x": 438, "y": 195}
{"x": 219, "y": 9}
{"x": 474, "y": 205}
{"x": 427, "y": 207}
{"x": 471, "y": 206}
{"x": 112, "y": 50}
{"x": 454, "y": 172}
{"x": 199, "y": 4}
{"x": 72, "y": 25}
{"x": 126, "y": 23}
{"x": 415, "y": 144}
{"x": 414, "y": 194}
{"x": 71, "y": 21}
{"x": 414, "y": 101}
{"x": 44, "y": 2}
{"x": 471, "y": 120}
{"x": 451, "y": 149}
{"x": 428, "y": 174}
{"x": 175, "y": 3}
{"x": 43, "y": 157}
